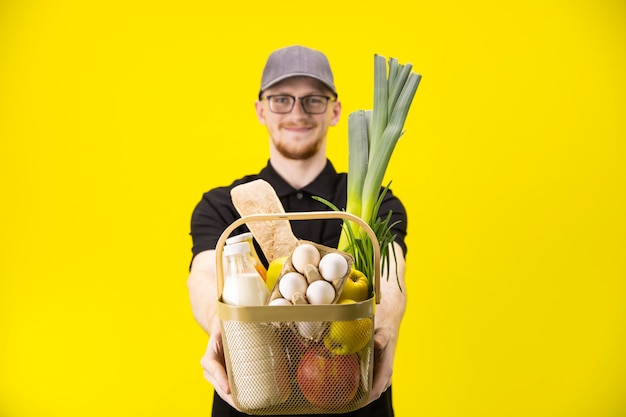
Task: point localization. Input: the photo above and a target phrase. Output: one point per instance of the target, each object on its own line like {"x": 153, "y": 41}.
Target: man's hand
{"x": 389, "y": 314}
{"x": 214, "y": 367}
{"x": 383, "y": 363}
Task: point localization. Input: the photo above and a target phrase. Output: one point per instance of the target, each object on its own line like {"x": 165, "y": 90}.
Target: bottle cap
{"x": 239, "y": 238}
{"x": 236, "y": 248}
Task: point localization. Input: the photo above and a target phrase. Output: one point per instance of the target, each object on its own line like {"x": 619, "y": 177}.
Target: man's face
{"x": 297, "y": 134}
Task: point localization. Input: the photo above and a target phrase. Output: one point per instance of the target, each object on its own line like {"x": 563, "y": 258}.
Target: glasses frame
{"x": 293, "y": 102}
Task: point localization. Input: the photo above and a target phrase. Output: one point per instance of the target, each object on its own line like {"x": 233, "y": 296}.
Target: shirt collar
{"x": 321, "y": 186}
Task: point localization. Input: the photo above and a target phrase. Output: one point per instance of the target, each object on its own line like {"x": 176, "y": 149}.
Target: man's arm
{"x": 202, "y": 287}
{"x": 389, "y": 313}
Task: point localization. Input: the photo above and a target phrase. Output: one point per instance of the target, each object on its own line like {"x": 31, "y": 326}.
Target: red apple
{"x": 327, "y": 380}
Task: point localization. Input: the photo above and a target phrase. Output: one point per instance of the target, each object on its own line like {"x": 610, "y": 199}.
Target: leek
{"x": 372, "y": 137}
{"x": 357, "y": 161}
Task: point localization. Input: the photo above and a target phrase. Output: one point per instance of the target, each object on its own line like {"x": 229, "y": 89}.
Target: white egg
{"x": 310, "y": 329}
{"x": 303, "y": 255}
{"x": 333, "y": 266}
{"x": 280, "y": 302}
{"x": 292, "y": 283}
{"x": 320, "y": 292}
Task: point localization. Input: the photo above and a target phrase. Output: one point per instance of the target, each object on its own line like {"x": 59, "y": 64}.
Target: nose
{"x": 297, "y": 112}
{"x": 298, "y": 107}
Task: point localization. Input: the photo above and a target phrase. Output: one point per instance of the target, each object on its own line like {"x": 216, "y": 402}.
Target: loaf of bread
{"x": 275, "y": 237}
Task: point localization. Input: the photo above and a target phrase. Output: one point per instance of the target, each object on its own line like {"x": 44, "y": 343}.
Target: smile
{"x": 298, "y": 129}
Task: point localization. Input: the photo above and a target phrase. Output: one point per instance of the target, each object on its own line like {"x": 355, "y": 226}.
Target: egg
{"x": 310, "y": 329}
{"x": 280, "y": 302}
{"x": 292, "y": 283}
{"x": 303, "y": 255}
{"x": 320, "y": 292}
{"x": 333, "y": 266}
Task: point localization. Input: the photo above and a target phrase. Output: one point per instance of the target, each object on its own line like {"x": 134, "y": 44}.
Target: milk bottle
{"x": 257, "y": 361}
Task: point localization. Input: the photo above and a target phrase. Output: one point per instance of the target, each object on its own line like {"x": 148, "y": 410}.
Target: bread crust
{"x": 275, "y": 237}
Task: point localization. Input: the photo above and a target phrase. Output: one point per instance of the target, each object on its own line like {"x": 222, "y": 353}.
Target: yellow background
{"x": 115, "y": 116}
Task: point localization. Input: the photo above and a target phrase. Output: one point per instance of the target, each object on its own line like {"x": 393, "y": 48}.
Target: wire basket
{"x": 298, "y": 359}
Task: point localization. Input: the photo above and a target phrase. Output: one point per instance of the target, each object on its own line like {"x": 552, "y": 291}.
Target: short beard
{"x": 300, "y": 153}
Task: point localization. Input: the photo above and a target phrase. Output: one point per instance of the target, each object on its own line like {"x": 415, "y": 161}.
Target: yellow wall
{"x": 115, "y": 116}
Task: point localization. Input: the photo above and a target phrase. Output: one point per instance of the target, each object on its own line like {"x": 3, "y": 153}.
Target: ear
{"x": 260, "y": 111}
{"x": 336, "y": 113}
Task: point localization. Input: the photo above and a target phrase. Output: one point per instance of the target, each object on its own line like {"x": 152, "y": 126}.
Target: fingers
{"x": 383, "y": 365}
{"x": 380, "y": 341}
{"x": 214, "y": 367}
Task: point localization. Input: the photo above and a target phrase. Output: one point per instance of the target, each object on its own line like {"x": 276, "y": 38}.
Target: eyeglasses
{"x": 283, "y": 103}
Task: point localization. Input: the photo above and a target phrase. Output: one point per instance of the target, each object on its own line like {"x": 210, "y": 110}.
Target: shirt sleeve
{"x": 211, "y": 216}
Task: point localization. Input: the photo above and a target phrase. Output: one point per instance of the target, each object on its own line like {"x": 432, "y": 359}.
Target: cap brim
{"x": 284, "y": 77}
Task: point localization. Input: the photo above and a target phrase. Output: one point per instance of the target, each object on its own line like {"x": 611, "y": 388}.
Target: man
{"x": 297, "y": 104}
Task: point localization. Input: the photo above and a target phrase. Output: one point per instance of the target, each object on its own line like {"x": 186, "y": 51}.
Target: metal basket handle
{"x": 306, "y": 215}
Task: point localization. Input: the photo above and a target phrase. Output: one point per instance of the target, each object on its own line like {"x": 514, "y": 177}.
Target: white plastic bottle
{"x": 257, "y": 367}
{"x": 243, "y": 285}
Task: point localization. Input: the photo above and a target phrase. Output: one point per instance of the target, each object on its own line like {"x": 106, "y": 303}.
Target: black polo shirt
{"x": 215, "y": 212}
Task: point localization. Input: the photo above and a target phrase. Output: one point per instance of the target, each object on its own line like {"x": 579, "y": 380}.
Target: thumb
{"x": 380, "y": 339}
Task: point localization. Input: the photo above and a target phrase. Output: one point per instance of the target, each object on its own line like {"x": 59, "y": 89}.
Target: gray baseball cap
{"x": 294, "y": 61}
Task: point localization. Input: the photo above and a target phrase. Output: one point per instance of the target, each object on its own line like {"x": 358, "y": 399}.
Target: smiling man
{"x": 297, "y": 103}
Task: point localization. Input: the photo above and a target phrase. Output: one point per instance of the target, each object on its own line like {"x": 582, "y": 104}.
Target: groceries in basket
{"x": 308, "y": 348}
{"x": 292, "y": 364}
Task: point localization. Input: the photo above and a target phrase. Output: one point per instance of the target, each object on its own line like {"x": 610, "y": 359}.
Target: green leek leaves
{"x": 372, "y": 137}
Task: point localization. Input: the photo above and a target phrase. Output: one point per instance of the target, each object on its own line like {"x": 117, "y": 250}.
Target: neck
{"x": 298, "y": 172}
